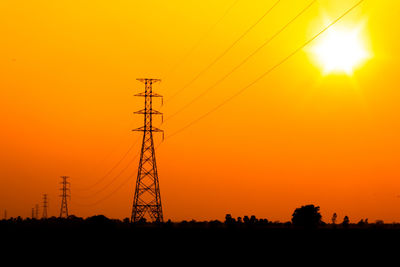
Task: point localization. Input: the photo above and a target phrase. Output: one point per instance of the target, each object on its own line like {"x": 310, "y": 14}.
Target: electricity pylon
{"x": 36, "y": 211}
{"x": 64, "y": 195}
{"x": 45, "y": 205}
{"x": 147, "y": 198}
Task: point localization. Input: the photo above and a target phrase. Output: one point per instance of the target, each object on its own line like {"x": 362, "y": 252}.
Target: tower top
{"x": 145, "y": 80}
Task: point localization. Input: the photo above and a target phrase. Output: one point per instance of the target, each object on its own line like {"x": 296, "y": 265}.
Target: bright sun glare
{"x": 341, "y": 50}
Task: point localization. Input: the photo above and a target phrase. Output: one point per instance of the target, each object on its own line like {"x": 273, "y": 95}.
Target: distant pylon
{"x": 36, "y": 211}
{"x": 147, "y": 198}
{"x": 45, "y": 205}
{"x": 64, "y": 196}
{"x": 33, "y": 213}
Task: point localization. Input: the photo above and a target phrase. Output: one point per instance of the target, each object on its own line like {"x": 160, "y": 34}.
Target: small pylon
{"x": 36, "y": 211}
{"x": 65, "y": 190}
{"x": 45, "y": 205}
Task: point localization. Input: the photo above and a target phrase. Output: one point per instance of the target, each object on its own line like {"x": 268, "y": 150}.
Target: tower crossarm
{"x": 145, "y": 80}
{"x": 144, "y": 129}
{"x": 151, "y": 111}
{"x": 152, "y": 94}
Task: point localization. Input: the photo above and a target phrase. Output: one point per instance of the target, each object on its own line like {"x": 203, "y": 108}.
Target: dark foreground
{"x": 100, "y": 237}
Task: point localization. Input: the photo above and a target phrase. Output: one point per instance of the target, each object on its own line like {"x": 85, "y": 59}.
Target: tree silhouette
{"x": 334, "y": 218}
{"x": 307, "y": 216}
{"x": 229, "y": 220}
{"x": 346, "y": 222}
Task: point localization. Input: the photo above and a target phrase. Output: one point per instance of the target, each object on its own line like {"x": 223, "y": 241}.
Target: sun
{"x": 341, "y": 50}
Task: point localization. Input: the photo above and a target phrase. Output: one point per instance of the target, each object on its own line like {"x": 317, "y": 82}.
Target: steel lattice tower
{"x": 147, "y": 198}
{"x": 45, "y": 205}
{"x": 64, "y": 195}
{"x": 36, "y": 211}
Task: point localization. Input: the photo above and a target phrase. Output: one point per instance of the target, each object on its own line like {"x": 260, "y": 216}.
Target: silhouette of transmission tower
{"x": 64, "y": 196}
{"x": 147, "y": 198}
{"x": 45, "y": 205}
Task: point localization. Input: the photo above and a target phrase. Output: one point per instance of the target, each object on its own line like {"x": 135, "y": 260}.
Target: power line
{"x": 112, "y": 169}
{"x": 239, "y": 92}
{"x": 118, "y": 188}
{"x": 109, "y": 195}
{"x": 146, "y": 112}
{"x": 267, "y": 72}
{"x": 147, "y": 183}
{"x": 113, "y": 180}
{"x": 202, "y": 38}
{"x": 224, "y": 52}
{"x": 242, "y": 62}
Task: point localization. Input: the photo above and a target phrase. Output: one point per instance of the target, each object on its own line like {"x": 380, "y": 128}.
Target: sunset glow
{"x": 341, "y": 50}
{"x": 259, "y": 117}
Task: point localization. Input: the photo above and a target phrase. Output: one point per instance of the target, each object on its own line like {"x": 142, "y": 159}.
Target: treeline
{"x": 307, "y": 217}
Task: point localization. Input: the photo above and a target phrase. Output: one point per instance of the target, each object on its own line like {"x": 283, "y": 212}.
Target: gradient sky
{"x": 68, "y": 74}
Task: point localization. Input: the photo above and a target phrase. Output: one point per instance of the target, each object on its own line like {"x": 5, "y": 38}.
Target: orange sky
{"x": 67, "y": 77}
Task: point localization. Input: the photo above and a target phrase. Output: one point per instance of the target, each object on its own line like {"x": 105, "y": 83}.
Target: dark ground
{"x": 97, "y": 237}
